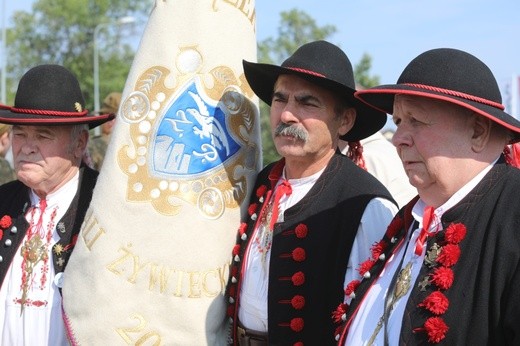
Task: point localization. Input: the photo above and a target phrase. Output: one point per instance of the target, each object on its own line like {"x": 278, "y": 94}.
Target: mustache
{"x": 295, "y": 131}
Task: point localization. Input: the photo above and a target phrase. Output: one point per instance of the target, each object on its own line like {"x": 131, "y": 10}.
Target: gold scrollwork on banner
{"x": 211, "y": 191}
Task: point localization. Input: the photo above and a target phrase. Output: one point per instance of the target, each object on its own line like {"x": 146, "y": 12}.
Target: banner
{"x": 150, "y": 265}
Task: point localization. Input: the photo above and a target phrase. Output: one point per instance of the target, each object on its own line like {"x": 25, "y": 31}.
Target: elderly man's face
{"x": 433, "y": 140}
{"x": 46, "y": 157}
{"x": 303, "y": 120}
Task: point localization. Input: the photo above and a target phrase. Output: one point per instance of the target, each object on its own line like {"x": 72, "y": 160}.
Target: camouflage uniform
{"x": 6, "y": 172}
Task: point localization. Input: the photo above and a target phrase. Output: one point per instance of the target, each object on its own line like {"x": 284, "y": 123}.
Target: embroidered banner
{"x": 151, "y": 263}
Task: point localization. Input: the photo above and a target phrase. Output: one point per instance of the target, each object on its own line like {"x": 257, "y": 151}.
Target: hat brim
{"x": 12, "y": 118}
{"x": 382, "y": 99}
{"x": 262, "y": 78}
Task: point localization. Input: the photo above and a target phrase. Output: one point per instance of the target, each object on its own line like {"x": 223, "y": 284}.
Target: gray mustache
{"x": 291, "y": 130}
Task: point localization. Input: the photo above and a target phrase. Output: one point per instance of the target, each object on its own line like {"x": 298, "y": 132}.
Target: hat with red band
{"x": 449, "y": 75}
{"x": 49, "y": 95}
{"x": 327, "y": 66}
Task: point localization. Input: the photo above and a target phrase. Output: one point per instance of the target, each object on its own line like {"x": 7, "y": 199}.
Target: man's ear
{"x": 347, "y": 121}
{"x": 481, "y": 127}
{"x": 81, "y": 144}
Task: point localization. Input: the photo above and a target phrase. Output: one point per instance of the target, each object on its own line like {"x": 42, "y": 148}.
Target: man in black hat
{"x": 41, "y": 212}
{"x": 448, "y": 268}
{"x": 295, "y": 243}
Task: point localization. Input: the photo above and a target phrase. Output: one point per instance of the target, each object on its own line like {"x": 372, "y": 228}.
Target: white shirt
{"x": 371, "y": 309}
{"x": 40, "y": 323}
{"x": 252, "y": 312}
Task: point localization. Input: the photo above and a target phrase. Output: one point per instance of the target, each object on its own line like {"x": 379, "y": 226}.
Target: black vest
{"x": 14, "y": 201}
{"x": 484, "y": 303}
{"x": 310, "y": 251}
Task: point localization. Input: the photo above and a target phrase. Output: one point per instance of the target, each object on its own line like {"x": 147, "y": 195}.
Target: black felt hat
{"x": 49, "y": 95}
{"x": 323, "y": 64}
{"x": 449, "y": 75}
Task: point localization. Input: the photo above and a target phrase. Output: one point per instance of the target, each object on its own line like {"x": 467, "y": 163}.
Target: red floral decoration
{"x": 436, "y": 303}
{"x": 301, "y": 231}
{"x": 236, "y": 249}
{"x": 449, "y": 255}
{"x": 455, "y": 233}
{"x": 337, "y": 315}
{"x": 436, "y": 329}
{"x": 442, "y": 277}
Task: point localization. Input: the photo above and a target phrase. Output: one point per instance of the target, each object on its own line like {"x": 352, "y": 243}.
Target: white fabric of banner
{"x": 151, "y": 262}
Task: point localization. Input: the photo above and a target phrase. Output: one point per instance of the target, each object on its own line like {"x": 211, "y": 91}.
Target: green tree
{"x": 361, "y": 72}
{"x": 295, "y": 29}
{"x": 62, "y": 32}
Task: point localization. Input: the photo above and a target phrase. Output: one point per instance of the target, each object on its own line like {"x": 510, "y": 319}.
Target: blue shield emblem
{"x": 192, "y": 136}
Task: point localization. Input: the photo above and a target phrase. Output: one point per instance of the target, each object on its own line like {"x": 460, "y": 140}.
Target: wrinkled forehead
{"x": 412, "y": 103}
{"x": 48, "y": 129}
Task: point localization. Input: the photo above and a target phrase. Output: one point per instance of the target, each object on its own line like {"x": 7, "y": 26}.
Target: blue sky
{"x": 394, "y": 32}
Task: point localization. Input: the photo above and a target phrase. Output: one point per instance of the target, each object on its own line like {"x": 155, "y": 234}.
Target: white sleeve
{"x": 378, "y": 214}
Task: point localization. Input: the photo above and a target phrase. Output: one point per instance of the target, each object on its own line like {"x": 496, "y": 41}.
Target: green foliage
{"x": 361, "y": 72}
{"x": 295, "y": 29}
{"x": 62, "y": 32}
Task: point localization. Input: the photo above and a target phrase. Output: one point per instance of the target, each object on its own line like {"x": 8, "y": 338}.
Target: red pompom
{"x": 252, "y": 209}
{"x": 351, "y": 287}
{"x": 230, "y": 311}
{"x": 301, "y": 231}
{"x": 298, "y": 302}
{"x": 234, "y": 270}
{"x": 297, "y": 324}
{"x": 436, "y": 329}
{"x": 394, "y": 226}
{"x": 298, "y": 279}
{"x": 5, "y": 221}
{"x": 298, "y": 254}
{"x": 436, "y": 303}
{"x": 261, "y": 191}
{"x": 365, "y": 267}
{"x": 455, "y": 233}
{"x": 443, "y": 277}
{"x": 449, "y": 255}
{"x": 377, "y": 249}
{"x": 337, "y": 315}
{"x": 232, "y": 291}
{"x": 242, "y": 228}
{"x": 236, "y": 249}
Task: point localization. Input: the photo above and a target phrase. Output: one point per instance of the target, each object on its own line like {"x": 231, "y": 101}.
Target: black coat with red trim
{"x": 468, "y": 295}
{"x": 14, "y": 201}
{"x": 310, "y": 251}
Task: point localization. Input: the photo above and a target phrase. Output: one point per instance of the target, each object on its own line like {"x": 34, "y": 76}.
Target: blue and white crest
{"x": 192, "y": 136}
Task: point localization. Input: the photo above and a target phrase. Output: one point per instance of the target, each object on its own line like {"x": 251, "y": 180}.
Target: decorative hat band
{"x": 458, "y": 94}
{"x": 44, "y": 112}
{"x": 306, "y": 71}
